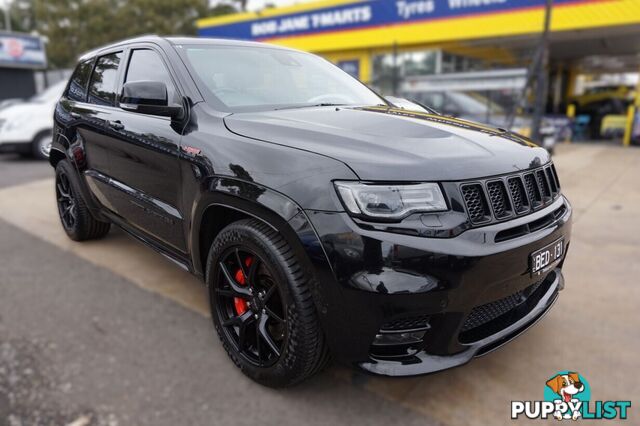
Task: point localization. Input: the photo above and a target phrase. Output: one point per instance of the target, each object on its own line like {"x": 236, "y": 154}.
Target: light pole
{"x": 542, "y": 77}
{"x": 7, "y": 18}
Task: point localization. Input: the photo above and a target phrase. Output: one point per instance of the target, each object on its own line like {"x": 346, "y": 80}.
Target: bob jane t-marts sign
{"x": 21, "y": 51}
{"x": 363, "y": 14}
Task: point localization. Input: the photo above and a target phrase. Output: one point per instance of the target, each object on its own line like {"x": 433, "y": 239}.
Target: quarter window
{"x": 146, "y": 65}
{"x": 104, "y": 80}
{"x": 78, "y": 85}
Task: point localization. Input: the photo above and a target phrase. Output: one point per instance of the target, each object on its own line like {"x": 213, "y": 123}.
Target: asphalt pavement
{"x": 82, "y": 345}
{"x": 111, "y": 333}
{"x": 16, "y": 170}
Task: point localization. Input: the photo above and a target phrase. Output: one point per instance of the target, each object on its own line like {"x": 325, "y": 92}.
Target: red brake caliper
{"x": 240, "y": 304}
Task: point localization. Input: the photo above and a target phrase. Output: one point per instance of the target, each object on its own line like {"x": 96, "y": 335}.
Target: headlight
{"x": 390, "y": 201}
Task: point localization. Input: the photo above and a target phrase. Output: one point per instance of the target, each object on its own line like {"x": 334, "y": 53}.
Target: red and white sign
{"x": 14, "y": 47}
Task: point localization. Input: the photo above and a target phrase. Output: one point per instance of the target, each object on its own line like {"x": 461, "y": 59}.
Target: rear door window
{"x": 104, "y": 80}
{"x": 79, "y": 80}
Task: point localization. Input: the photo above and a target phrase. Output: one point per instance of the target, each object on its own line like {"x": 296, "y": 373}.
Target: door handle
{"x": 75, "y": 115}
{"x": 116, "y": 125}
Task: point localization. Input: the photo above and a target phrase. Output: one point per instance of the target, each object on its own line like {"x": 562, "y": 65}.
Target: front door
{"x": 133, "y": 165}
{"x": 144, "y": 158}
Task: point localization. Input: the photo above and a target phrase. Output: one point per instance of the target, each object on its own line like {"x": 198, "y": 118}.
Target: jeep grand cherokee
{"x": 324, "y": 220}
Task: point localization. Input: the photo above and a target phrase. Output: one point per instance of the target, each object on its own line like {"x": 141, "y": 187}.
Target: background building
{"x": 397, "y": 46}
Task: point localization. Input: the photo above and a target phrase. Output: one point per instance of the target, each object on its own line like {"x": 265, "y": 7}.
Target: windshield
{"x": 244, "y": 78}
{"x": 53, "y": 93}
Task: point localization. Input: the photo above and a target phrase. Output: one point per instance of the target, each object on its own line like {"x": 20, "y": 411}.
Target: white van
{"x": 26, "y": 127}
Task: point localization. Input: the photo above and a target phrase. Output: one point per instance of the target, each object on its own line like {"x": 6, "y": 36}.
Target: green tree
{"x": 21, "y": 14}
{"x": 221, "y": 9}
{"x": 243, "y": 4}
{"x": 75, "y": 26}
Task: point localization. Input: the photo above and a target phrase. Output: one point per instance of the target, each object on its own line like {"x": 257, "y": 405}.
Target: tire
{"x": 302, "y": 350}
{"x": 75, "y": 216}
{"x": 41, "y": 146}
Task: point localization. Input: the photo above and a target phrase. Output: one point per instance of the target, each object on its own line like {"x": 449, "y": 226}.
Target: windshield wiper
{"x": 324, "y": 104}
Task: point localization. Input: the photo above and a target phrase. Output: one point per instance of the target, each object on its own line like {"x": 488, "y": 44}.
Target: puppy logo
{"x": 567, "y": 386}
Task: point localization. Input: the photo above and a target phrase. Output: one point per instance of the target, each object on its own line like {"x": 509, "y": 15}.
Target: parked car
{"x": 477, "y": 106}
{"x": 9, "y": 102}
{"x": 26, "y": 127}
{"x": 323, "y": 220}
{"x": 606, "y": 108}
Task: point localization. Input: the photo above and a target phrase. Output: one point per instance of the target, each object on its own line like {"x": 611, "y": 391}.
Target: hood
{"x": 388, "y": 144}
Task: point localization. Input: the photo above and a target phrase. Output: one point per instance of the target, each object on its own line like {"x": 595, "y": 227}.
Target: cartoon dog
{"x": 567, "y": 386}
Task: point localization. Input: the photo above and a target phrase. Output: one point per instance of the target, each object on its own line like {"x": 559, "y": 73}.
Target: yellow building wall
{"x": 572, "y": 16}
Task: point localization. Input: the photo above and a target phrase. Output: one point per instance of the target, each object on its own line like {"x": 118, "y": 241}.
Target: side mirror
{"x": 148, "y": 97}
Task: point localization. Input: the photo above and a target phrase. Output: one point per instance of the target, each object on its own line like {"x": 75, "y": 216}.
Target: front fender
{"x": 248, "y": 198}
{"x": 284, "y": 216}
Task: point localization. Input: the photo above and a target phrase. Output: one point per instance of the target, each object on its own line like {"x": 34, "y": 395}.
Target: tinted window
{"x": 147, "y": 65}
{"x": 79, "y": 80}
{"x": 263, "y": 78}
{"x": 104, "y": 80}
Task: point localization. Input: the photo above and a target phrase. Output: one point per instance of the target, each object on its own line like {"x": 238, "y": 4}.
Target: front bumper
{"x": 379, "y": 281}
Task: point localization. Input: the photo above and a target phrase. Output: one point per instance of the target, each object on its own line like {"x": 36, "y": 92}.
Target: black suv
{"x": 323, "y": 219}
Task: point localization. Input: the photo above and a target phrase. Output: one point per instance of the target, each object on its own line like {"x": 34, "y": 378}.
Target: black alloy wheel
{"x": 250, "y": 306}
{"x": 67, "y": 207}
{"x": 261, "y": 305}
{"x": 77, "y": 221}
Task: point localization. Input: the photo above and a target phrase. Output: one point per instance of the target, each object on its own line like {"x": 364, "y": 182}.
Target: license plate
{"x": 543, "y": 259}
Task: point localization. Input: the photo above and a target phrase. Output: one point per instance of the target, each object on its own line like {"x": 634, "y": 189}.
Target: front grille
{"x": 480, "y": 315}
{"x": 476, "y": 203}
{"x": 518, "y": 193}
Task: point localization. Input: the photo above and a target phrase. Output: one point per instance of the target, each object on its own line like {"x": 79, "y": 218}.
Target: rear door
{"x": 94, "y": 116}
{"x": 143, "y": 154}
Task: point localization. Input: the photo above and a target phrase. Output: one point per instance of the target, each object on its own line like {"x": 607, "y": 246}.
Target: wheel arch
{"x": 215, "y": 210}
{"x": 235, "y": 199}
{"x": 55, "y": 156}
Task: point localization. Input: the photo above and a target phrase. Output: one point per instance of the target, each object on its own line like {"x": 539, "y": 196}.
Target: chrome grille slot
{"x": 519, "y": 197}
{"x": 541, "y": 178}
{"x": 476, "y": 204}
{"x": 552, "y": 180}
{"x": 499, "y": 199}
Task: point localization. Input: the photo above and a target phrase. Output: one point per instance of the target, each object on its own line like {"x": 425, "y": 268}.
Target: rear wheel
{"x": 75, "y": 216}
{"x": 262, "y": 307}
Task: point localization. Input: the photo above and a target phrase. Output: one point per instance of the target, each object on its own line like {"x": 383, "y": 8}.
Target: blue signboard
{"x": 363, "y": 14}
{"x": 21, "y": 51}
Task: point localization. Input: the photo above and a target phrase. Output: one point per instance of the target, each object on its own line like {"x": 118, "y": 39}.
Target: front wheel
{"x": 262, "y": 307}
